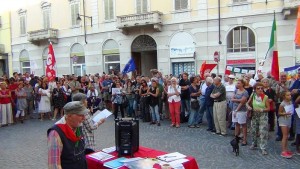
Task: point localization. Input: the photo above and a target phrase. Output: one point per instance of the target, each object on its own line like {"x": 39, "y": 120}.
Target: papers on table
{"x": 114, "y": 163}
{"x": 101, "y": 156}
{"x": 298, "y": 111}
{"x": 177, "y": 164}
{"x": 171, "y": 157}
{"x": 116, "y": 91}
{"x": 289, "y": 108}
{"x": 101, "y": 115}
{"x": 142, "y": 163}
{"x": 109, "y": 149}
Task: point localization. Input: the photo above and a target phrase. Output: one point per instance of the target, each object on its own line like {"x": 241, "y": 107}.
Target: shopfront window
{"x": 111, "y": 56}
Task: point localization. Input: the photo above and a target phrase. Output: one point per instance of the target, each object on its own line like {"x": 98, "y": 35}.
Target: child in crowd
{"x": 21, "y": 102}
{"x": 285, "y": 112}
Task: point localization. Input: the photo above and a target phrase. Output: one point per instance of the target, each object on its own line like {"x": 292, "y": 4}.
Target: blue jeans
{"x": 130, "y": 107}
{"x": 210, "y": 117}
{"x": 185, "y": 104}
{"x": 202, "y": 109}
{"x": 193, "y": 117}
{"x": 154, "y": 113}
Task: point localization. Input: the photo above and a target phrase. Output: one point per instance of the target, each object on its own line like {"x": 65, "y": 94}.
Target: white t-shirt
{"x": 171, "y": 90}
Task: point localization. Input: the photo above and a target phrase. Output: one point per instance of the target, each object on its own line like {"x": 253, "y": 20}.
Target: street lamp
{"x": 84, "y": 26}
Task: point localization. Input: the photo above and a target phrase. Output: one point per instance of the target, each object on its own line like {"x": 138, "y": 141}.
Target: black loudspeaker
{"x": 127, "y": 136}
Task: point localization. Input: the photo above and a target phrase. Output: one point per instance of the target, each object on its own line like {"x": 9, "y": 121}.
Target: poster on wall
{"x": 188, "y": 67}
{"x": 178, "y": 52}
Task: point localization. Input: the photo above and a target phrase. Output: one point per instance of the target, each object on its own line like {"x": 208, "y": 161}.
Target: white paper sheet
{"x": 101, "y": 156}
{"x": 289, "y": 108}
{"x": 177, "y": 164}
{"x": 115, "y": 90}
{"x": 171, "y": 157}
{"x": 298, "y": 111}
{"x": 109, "y": 149}
{"x": 101, "y": 115}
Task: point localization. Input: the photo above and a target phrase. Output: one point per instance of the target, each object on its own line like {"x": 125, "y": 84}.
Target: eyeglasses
{"x": 259, "y": 88}
{"x": 231, "y": 78}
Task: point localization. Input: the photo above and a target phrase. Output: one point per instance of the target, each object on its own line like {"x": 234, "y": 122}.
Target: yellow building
{"x": 170, "y": 35}
{"x": 5, "y": 44}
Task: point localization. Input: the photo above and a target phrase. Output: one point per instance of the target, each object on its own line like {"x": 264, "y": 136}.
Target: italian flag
{"x": 273, "y": 52}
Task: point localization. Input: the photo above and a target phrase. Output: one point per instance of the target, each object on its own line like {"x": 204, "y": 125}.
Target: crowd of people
{"x": 241, "y": 104}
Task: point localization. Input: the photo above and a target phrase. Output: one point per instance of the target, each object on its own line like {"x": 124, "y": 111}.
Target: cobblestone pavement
{"x": 23, "y": 146}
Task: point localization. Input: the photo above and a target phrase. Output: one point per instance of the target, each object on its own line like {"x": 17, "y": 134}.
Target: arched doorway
{"x": 144, "y": 53}
{"x": 78, "y": 60}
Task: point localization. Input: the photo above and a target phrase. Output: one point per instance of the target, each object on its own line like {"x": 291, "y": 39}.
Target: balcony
{"x": 38, "y": 36}
{"x": 149, "y": 19}
{"x": 289, "y": 7}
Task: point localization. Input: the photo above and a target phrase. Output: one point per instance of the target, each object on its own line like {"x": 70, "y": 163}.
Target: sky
{"x": 14, "y": 5}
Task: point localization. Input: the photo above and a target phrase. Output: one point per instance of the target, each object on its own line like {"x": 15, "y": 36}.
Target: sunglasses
{"x": 259, "y": 88}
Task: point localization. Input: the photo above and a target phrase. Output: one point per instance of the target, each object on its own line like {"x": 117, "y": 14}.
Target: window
{"x": 109, "y": 9}
{"x": 141, "y": 6}
{"x": 25, "y": 66}
{"x": 241, "y": 39}
{"x": 24, "y": 61}
{"x": 74, "y": 13}
{"x": 0, "y": 22}
{"x": 78, "y": 60}
{"x": 23, "y": 25}
{"x": 111, "y": 56}
{"x": 181, "y": 4}
{"x": 46, "y": 18}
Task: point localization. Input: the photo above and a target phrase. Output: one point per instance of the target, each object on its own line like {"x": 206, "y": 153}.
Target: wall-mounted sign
{"x": 178, "y": 52}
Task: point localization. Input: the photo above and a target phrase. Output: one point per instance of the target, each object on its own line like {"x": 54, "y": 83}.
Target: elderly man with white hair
{"x": 219, "y": 108}
{"x": 208, "y": 103}
{"x": 202, "y": 99}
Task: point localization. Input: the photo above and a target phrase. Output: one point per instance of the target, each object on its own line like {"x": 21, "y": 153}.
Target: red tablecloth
{"x": 143, "y": 152}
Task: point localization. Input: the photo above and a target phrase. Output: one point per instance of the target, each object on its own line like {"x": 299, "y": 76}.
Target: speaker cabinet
{"x": 127, "y": 136}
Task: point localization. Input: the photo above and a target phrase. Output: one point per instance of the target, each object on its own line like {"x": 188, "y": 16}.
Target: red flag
{"x": 206, "y": 68}
{"x": 227, "y": 72}
{"x": 297, "y": 33}
{"x": 50, "y": 67}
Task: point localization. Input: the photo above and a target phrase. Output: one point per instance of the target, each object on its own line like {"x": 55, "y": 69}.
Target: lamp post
{"x": 84, "y": 16}
{"x": 217, "y": 59}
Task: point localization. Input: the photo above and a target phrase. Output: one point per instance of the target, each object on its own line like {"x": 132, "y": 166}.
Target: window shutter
{"x": 111, "y": 9}
{"x": 0, "y": 22}
{"x": 145, "y": 6}
{"x": 72, "y": 14}
{"x": 106, "y": 9}
{"x": 75, "y": 13}
{"x": 22, "y": 25}
{"x": 138, "y": 6}
{"x": 46, "y": 14}
{"x": 177, "y": 5}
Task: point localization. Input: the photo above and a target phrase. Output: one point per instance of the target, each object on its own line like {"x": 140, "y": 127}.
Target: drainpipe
{"x": 84, "y": 22}
{"x": 219, "y": 20}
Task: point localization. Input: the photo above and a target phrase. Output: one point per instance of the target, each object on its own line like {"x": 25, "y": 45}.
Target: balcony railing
{"x": 43, "y": 35}
{"x": 139, "y": 20}
{"x": 289, "y": 6}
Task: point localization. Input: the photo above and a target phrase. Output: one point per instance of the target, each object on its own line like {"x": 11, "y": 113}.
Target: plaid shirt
{"x": 55, "y": 147}
{"x": 88, "y": 127}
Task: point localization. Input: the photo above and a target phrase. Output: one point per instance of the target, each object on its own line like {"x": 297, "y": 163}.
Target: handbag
{"x": 195, "y": 104}
{"x": 125, "y": 101}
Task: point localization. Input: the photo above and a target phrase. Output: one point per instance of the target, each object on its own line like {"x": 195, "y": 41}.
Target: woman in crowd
{"x": 153, "y": 93}
{"x": 117, "y": 99}
{"x": 67, "y": 90}
{"x": 239, "y": 115}
{"x": 21, "y": 102}
{"x": 297, "y": 102}
{"x": 88, "y": 124}
{"x": 58, "y": 100}
{"x": 195, "y": 105}
{"x": 285, "y": 120}
{"x": 247, "y": 86}
{"x": 129, "y": 92}
{"x": 144, "y": 103}
{"x": 174, "y": 100}
{"x": 260, "y": 105}
{"x": 44, "y": 104}
{"x": 271, "y": 95}
{"x": 5, "y": 105}
{"x": 29, "y": 98}
{"x": 93, "y": 99}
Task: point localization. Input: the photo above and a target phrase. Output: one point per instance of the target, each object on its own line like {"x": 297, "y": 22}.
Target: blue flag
{"x": 129, "y": 67}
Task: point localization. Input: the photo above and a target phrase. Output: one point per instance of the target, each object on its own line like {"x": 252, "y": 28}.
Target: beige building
{"x": 170, "y": 35}
{"x": 5, "y": 44}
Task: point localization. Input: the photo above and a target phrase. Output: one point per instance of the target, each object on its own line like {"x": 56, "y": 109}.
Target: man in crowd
{"x": 65, "y": 140}
{"x": 106, "y": 86}
{"x": 219, "y": 108}
{"x": 75, "y": 85}
{"x": 184, "y": 83}
{"x": 202, "y": 98}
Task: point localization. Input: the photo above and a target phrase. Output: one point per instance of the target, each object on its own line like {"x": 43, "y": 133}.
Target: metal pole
{"x": 84, "y": 22}
{"x": 218, "y": 64}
